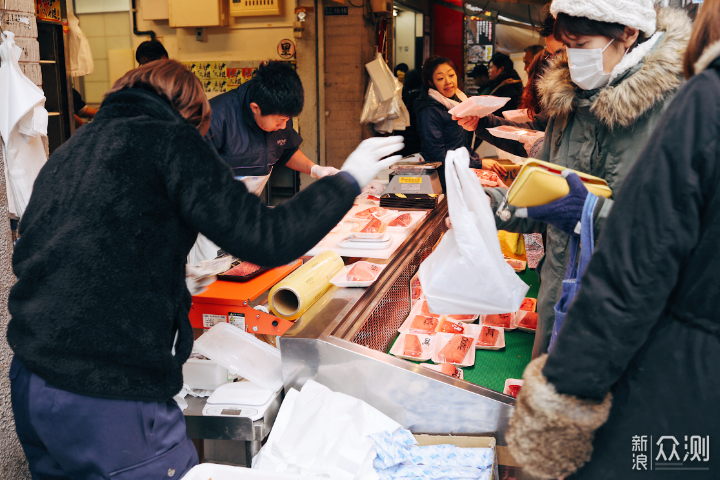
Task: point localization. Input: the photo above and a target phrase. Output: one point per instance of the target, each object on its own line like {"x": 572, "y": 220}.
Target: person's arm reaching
{"x": 300, "y": 162}
{"x": 213, "y": 203}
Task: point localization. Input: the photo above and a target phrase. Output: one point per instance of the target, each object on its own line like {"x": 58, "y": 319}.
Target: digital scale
{"x": 239, "y": 399}
{"x": 413, "y": 185}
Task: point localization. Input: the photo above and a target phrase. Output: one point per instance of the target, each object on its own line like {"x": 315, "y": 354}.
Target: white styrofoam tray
{"x": 513, "y": 321}
{"x": 511, "y": 381}
{"x": 442, "y": 340}
{"x": 426, "y": 343}
{"x": 416, "y": 215}
{"x": 478, "y": 106}
{"x": 518, "y": 116}
{"x": 340, "y": 278}
{"x": 499, "y": 343}
{"x": 497, "y": 132}
{"x": 438, "y": 368}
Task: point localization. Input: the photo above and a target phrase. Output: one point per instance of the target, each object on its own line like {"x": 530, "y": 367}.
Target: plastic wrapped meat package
{"x": 462, "y": 318}
{"x": 376, "y": 212}
{"x": 358, "y": 274}
{"x": 491, "y": 338}
{"x": 447, "y": 325}
{"x": 529, "y": 304}
{"x": 446, "y": 369}
{"x": 455, "y": 349}
{"x": 513, "y": 133}
{"x": 512, "y": 387}
{"x": 402, "y": 220}
{"x": 374, "y": 226}
{"x": 527, "y": 321}
{"x": 488, "y": 178}
{"x": 424, "y": 325}
{"x": 503, "y": 320}
{"x": 413, "y": 346}
{"x": 478, "y": 106}
{"x": 425, "y": 310}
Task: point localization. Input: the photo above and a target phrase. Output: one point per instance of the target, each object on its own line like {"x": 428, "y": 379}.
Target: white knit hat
{"x": 638, "y": 14}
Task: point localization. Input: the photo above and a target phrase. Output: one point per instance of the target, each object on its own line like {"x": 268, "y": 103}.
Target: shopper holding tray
{"x": 633, "y": 376}
{"x": 100, "y": 325}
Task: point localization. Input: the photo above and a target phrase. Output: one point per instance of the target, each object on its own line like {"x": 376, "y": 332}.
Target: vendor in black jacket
{"x": 100, "y": 325}
{"x": 251, "y": 127}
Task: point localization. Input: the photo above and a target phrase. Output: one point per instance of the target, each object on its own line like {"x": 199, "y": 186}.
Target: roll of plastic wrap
{"x": 300, "y": 290}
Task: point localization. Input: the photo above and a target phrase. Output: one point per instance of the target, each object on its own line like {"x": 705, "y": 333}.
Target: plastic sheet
{"x": 383, "y": 99}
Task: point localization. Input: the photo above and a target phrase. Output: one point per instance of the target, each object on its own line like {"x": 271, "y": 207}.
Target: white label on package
{"x": 237, "y": 319}
{"x": 209, "y": 320}
{"x": 410, "y": 187}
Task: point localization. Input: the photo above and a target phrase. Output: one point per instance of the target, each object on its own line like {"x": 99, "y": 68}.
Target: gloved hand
{"x": 564, "y": 213}
{"x": 196, "y": 279}
{"x": 319, "y": 172}
{"x": 364, "y": 163}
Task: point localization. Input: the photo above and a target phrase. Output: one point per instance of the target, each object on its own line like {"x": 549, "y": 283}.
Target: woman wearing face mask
{"x": 438, "y": 131}
{"x": 638, "y": 355}
{"x": 623, "y": 65}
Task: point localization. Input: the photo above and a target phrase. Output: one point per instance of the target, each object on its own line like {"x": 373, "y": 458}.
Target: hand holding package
{"x": 466, "y": 274}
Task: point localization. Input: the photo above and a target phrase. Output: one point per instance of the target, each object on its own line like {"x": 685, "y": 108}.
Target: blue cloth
{"x": 71, "y": 436}
{"x": 564, "y": 213}
{"x": 243, "y": 145}
{"x": 573, "y": 275}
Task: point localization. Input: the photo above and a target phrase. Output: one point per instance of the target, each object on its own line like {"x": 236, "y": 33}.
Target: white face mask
{"x": 586, "y": 67}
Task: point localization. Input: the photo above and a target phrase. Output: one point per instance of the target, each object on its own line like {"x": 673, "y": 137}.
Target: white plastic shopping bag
{"x": 466, "y": 274}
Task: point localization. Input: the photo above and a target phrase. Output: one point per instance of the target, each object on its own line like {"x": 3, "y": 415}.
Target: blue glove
{"x": 564, "y": 213}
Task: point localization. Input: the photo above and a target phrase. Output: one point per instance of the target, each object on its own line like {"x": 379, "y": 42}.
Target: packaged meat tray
{"x": 372, "y": 229}
{"x": 406, "y": 346}
{"x": 488, "y": 178}
{"x": 479, "y": 106}
{"x": 462, "y": 318}
{"x": 415, "y": 290}
{"x": 445, "y": 368}
{"x": 503, "y": 320}
{"x": 512, "y": 387}
{"x": 490, "y": 338}
{"x": 529, "y": 304}
{"x": 517, "y": 265}
{"x": 455, "y": 349}
{"x": 513, "y": 133}
{"x": 426, "y": 311}
{"x": 446, "y": 325}
{"x": 241, "y": 271}
{"x": 518, "y": 116}
{"x": 368, "y": 213}
{"x": 359, "y": 274}
{"x": 404, "y": 221}
{"x": 527, "y": 321}
{"x": 423, "y": 325}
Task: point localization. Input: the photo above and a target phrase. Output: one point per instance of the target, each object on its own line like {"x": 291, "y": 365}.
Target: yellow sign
{"x": 410, "y": 179}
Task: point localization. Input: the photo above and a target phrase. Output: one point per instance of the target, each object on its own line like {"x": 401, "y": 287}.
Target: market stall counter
{"x": 342, "y": 342}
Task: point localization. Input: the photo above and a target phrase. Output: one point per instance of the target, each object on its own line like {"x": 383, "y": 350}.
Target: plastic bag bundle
{"x": 467, "y": 274}
{"x": 383, "y": 99}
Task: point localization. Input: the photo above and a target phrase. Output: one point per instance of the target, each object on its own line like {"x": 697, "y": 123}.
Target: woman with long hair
{"x": 100, "y": 326}
{"x": 631, "y": 384}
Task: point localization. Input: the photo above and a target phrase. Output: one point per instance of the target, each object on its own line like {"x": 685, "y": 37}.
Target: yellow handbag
{"x": 539, "y": 183}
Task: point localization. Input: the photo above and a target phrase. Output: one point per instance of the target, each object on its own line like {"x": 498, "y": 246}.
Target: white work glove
{"x": 364, "y": 163}
{"x": 197, "y": 280}
{"x": 319, "y": 172}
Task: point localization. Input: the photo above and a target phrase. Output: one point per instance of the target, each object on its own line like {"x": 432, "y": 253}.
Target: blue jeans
{"x": 71, "y": 436}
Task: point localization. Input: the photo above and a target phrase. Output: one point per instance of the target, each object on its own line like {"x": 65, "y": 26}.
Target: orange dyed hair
{"x": 706, "y": 30}
{"x": 176, "y": 84}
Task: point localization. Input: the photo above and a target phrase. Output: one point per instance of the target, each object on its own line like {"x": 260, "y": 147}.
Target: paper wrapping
{"x": 290, "y": 298}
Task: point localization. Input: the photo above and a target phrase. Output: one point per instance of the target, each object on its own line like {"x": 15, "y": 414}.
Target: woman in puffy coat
{"x": 438, "y": 131}
{"x": 639, "y": 353}
{"x": 599, "y": 122}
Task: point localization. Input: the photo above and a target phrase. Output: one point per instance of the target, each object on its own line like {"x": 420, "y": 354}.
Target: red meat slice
{"x": 415, "y": 288}
{"x": 502, "y": 320}
{"x": 243, "y": 269}
{"x": 374, "y": 226}
{"x": 425, "y": 311}
{"x": 403, "y": 220}
{"x": 529, "y": 321}
{"x": 454, "y": 351}
{"x": 449, "y": 369}
{"x": 514, "y": 390}
{"x": 528, "y": 304}
{"x": 446, "y": 326}
{"x": 426, "y": 325}
{"x": 462, "y": 318}
{"x": 372, "y": 212}
{"x": 363, "y": 272}
{"x": 412, "y": 347}
{"x": 488, "y": 337}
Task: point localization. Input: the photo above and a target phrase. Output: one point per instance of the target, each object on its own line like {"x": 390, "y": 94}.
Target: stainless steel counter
{"x": 341, "y": 342}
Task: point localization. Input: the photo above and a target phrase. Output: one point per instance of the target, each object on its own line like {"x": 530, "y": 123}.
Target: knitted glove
{"x": 564, "y": 213}
{"x": 551, "y": 434}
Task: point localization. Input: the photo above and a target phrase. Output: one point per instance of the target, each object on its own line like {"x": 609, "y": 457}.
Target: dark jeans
{"x": 71, "y": 436}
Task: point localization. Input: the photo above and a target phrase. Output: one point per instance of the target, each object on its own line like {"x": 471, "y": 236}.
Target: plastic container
{"x": 512, "y": 133}
{"x": 207, "y": 471}
{"x": 426, "y": 344}
{"x": 518, "y": 116}
{"x": 242, "y": 354}
{"x": 478, "y": 106}
{"x": 203, "y": 373}
{"x": 340, "y": 279}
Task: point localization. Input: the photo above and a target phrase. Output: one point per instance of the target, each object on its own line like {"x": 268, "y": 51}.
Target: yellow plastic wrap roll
{"x": 290, "y": 298}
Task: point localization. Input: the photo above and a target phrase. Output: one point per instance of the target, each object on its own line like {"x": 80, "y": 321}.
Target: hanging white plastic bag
{"x": 81, "y": 60}
{"x": 466, "y": 274}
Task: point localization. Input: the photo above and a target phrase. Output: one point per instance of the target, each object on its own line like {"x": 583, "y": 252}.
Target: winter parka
{"x": 600, "y": 132}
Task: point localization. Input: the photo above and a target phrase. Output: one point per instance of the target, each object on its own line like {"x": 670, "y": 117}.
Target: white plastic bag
{"x": 466, "y": 274}
{"x": 383, "y": 99}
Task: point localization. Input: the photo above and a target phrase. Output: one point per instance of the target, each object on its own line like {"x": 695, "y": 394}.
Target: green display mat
{"x": 493, "y": 367}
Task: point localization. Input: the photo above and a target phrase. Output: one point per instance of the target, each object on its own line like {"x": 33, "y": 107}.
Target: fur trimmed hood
{"x": 710, "y": 53}
{"x": 631, "y": 95}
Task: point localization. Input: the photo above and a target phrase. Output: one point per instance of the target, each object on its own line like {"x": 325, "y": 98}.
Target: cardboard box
{"x": 464, "y": 442}
{"x": 512, "y": 171}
